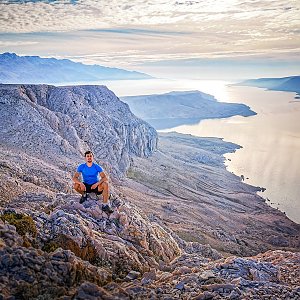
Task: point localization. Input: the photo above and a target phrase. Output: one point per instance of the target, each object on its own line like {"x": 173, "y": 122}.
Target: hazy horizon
{"x": 217, "y": 40}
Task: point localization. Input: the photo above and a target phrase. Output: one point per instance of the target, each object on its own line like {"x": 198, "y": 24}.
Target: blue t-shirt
{"x": 90, "y": 174}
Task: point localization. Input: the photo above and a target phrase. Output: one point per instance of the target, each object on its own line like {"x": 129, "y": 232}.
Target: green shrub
{"x": 24, "y": 224}
{"x": 50, "y": 246}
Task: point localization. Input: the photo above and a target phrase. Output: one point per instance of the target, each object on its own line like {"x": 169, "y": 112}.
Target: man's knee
{"x": 77, "y": 187}
{"x": 103, "y": 185}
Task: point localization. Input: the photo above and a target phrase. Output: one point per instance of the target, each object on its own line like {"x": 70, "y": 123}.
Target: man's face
{"x": 89, "y": 158}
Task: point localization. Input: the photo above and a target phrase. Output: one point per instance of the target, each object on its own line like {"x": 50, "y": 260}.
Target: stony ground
{"x": 60, "y": 249}
{"x": 183, "y": 228}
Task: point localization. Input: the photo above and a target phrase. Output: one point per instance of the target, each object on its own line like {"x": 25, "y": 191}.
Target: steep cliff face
{"x": 56, "y": 125}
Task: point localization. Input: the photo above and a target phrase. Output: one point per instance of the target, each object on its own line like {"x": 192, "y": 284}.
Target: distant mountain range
{"x": 34, "y": 69}
{"x": 289, "y": 84}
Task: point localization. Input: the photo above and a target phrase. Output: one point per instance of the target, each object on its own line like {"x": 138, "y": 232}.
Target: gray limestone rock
{"x": 46, "y": 129}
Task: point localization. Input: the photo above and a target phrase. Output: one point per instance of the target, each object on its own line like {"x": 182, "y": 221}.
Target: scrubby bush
{"x": 24, "y": 224}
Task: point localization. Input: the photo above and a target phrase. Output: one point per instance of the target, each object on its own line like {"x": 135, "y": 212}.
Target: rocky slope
{"x": 186, "y": 186}
{"x": 60, "y": 249}
{"x": 45, "y": 130}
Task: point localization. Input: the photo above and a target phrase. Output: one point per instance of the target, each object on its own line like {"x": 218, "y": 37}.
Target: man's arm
{"x": 103, "y": 179}
{"x": 77, "y": 181}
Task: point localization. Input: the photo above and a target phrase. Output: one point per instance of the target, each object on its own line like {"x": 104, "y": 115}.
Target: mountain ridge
{"x": 37, "y": 70}
{"x": 288, "y": 84}
{"x": 63, "y": 123}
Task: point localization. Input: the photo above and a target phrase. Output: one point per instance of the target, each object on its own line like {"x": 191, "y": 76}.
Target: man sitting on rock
{"x": 91, "y": 184}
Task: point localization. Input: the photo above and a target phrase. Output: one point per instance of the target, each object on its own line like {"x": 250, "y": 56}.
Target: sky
{"x": 211, "y": 39}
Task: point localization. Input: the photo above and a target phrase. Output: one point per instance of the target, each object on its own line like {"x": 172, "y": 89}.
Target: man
{"x": 90, "y": 173}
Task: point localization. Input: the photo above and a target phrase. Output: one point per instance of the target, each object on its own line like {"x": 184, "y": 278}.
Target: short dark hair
{"x": 88, "y": 152}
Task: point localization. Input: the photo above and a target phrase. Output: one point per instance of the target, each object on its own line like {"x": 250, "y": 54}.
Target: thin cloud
{"x": 135, "y": 31}
{"x": 16, "y": 43}
{"x": 122, "y": 33}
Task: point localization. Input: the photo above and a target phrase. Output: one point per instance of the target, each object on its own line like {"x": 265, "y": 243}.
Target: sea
{"x": 270, "y": 140}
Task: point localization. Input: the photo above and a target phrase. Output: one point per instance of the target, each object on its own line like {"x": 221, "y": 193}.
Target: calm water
{"x": 270, "y": 156}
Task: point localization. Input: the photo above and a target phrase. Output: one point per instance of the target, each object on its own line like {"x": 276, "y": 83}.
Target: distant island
{"x": 288, "y": 84}
{"x": 35, "y": 69}
{"x": 176, "y": 108}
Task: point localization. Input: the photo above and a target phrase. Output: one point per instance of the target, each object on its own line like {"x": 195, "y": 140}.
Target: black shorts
{"x": 89, "y": 190}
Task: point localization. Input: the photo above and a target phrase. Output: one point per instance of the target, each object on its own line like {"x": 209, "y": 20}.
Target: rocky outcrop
{"x": 49, "y": 128}
{"x": 72, "y": 243}
{"x": 27, "y": 273}
{"x": 124, "y": 240}
{"x": 191, "y": 277}
{"x": 78, "y": 252}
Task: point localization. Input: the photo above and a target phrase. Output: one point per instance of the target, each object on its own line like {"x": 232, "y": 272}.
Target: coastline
{"x": 186, "y": 185}
{"x": 270, "y": 143}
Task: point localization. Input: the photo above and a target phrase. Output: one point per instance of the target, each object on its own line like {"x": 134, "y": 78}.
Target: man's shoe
{"x": 107, "y": 209}
{"x": 83, "y": 198}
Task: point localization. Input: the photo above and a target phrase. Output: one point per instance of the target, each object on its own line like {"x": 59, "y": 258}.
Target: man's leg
{"x": 103, "y": 187}
{"x": 81, "y": 191}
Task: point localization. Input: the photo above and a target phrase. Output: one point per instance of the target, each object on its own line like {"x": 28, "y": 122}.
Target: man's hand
{"x": 95, "y": 185}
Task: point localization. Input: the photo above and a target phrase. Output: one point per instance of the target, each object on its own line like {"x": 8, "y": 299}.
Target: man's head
{"x": 89, "y": 156}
